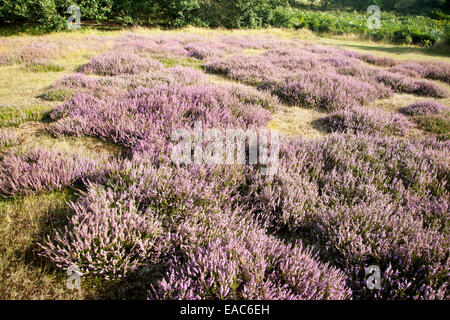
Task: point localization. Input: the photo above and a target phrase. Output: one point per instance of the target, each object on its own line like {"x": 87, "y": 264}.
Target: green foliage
{"x": 52, "y": 15}
{"x": 57, "y": 94}
{"x": 394, "y": 28}
{"x": 42, "y": 13}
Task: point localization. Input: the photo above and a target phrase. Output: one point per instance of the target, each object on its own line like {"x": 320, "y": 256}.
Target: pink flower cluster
{"x": 424, "y": 108}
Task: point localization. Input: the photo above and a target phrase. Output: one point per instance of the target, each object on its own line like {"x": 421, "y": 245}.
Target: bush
{"x": 423, "y": 108}
{"x": 42, "y": 14}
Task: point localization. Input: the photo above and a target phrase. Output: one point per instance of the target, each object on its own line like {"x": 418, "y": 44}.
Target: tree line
{"x": 52, "y": 14}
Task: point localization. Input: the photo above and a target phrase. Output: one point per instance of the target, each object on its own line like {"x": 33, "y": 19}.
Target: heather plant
{"x": 7, "y": 139}
{"x": 143, "y": 119}
{"x": 36, "y": 51}
{"x": 303, "y": 76}
{"x": 57, "y": 94}
{"x": 152, "y": 46}
{"x": 329, "y": 91}
{"x": 435, "y": 123}
{"x": 250, "y": 265}
{"x": 107, "y": 86}
{"x": 346, "y": 196}
{"x": 106, "y": 236}
{"x": 116, "y": 63}
{"x": 377, "y": 61}
{"x": 364, "y": 120}
{"x": 430, "y": 70}
{"x": 40, "y": 170}
{"x": 203, "y": 50}
{"x": 404, "y": 84}
{"x": 14, "y": 116}
{"x": 422, "y": 108}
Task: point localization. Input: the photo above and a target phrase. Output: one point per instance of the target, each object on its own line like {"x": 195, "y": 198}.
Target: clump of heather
{"x": 366, "y": 120}
{"x": 109, "y": 86}
{"x": 404, "y": 84}
{"x": 40, "y": 170}
{"x": 252, "y": 96}
{"x": 437, "y": 71}
{"x": 116, "y": 63}
{"x": 7, "y": 138}
{"x": 329, "y": 91}
{"x": 106, "y": 236}
{"x": 377, "y": 61}
{"x": 411, "y": 69}
{"x": 143, "y": 119}
{"x": 422, "y": 108}
{"x": 365, "y": 200}
{"x": 249, "y": 265}
{"x": 303, "y": 76}
{"x": 37, "y": 51}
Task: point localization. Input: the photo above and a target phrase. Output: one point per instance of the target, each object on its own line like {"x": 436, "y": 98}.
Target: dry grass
{"x": 296, "y": 121}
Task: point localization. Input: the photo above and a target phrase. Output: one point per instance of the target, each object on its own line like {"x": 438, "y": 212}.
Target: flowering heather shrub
{"x": 328, "y": 90}
{"x": 106, "y": 87}
{"x": 14, "y": 115}
{"x": 7, "y": 139}
{"x": 422, "y": 108}
{"x": 252, "y": 70}
{"x": 437, "y": 71}
{"x": 318, "y": 85}
{"x": 430, "y": 70}
{"x": 203, "y": 50}
{"x": 116, "y": 63}
{"x": 106, "y": 236}
{"x": 257, "y": 265}
{"x": 144, "y": 119}
{"x": 255, "y": 42}
{"x": 252, "y": 96}
{"x": 153, "y": 46}
{"x": 366, "y": 121}
{"x": 411, "y": 69}
{"x": 40, "y": 170}
{"x": 31, "y": 53}
{"x": 400, "y": 83}
{"x": 250, "y": 265}
{"x": 365, "y": 200}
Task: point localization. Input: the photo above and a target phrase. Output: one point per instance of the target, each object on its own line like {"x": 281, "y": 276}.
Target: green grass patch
{"x": 437, "y": 124}
{"x": 13, "y": 116}
{"x": 185, "y": 62}
{"x": 57, "y": 94}
{"x": 43, "y": 67}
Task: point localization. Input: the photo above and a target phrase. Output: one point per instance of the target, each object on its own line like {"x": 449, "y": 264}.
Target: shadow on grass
{"x": 398, "y": 50}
